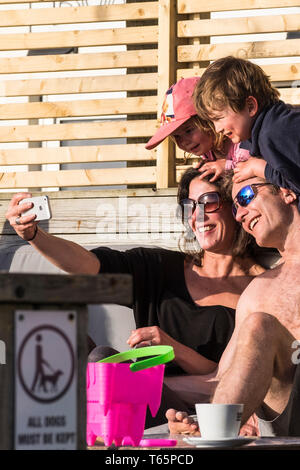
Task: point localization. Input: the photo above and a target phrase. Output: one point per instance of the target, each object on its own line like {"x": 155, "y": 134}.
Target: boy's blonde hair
{"x": 229, "y": 82}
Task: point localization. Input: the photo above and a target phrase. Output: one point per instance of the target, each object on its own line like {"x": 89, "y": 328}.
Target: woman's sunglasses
{"x": 246, "y": 195}
{"x": 208, "y": 202}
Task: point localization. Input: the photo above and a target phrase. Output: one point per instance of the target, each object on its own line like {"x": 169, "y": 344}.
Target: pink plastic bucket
{"x": 117, "y": 397}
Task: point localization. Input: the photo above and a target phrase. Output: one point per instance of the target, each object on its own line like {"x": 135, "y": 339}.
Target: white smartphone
{"x": 40, "y": 207}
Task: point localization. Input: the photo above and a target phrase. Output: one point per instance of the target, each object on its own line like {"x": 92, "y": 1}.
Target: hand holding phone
{"x": 40, "y": 207}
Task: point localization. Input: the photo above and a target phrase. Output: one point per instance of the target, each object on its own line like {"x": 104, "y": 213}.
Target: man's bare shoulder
{"x": 252, "y": 297}
{"x": 276, "y": 292}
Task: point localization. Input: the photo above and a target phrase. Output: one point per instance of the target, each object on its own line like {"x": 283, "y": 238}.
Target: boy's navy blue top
{"x": 275, "y": 136}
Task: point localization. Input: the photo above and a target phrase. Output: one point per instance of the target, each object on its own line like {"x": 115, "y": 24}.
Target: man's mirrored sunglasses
{"x": 246, "y": 195}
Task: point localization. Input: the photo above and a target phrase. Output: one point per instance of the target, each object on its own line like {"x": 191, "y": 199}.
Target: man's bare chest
{"x": 279, "y": 295}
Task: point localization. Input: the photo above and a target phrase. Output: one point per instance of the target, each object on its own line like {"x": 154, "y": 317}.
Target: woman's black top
{"x": 160, "y": 297}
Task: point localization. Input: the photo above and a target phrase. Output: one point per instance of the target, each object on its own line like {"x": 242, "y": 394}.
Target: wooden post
{"x": 167, "y": 62}
{"x": 24, "y": 300}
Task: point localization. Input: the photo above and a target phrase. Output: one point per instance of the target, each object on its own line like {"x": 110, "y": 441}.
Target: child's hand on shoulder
{"x": 249, "y": 169}
{"x": 215, "y": 168}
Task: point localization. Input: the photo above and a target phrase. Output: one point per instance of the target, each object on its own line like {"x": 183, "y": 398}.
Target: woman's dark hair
{"x": 243, "y": 242}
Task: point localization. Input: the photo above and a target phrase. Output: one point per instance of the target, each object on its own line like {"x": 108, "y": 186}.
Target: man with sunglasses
{"x": 260, "y": 367}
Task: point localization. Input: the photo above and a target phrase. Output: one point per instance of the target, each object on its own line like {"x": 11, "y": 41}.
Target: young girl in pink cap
{"x": 179, "y": 120}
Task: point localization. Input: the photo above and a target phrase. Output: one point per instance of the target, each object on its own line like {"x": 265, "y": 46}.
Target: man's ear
{"x": 288, "y": 195}
{"x": 252, "y": 105}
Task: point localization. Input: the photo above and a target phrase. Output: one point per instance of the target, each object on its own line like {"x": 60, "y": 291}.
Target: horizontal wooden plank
{"x": 183, "y": 161}
{"x": 6, "y": 2}
{"x": 168, "y": 241}
{"x": 74, "y": 195}
{"x": 79, "y": 14}
{"x": 245, "y": 50}
{"x": 277, "y": 72}
{"x": 230, "y": 26}
{"x": 80, "y": 108}
{"x": 77, "y": 131}
{"x": 90, "y": 61}
{"x": 77, "y": 178}
{"x": 112, "y": 217}
{"x": 104, "y": 215}
{"x": 290, "y": 95}
{"x": 60, "y": 288}
{"x": 190, "y": 6}
{"x": 89, "y": 217}
{"x": 80, "y": 154}
{"x": 95, "y": 177}
{"x": 132, "y": 227}
{"x": 57, "y": 86}
{"x": 100, "y": 37}
{"x": 202, "y": 6}
{"x": 180, "y": 170}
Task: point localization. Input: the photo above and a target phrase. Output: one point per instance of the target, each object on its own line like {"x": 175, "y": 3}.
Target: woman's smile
{"x": 206, "y": 228}
{"x": 213, "y": 230}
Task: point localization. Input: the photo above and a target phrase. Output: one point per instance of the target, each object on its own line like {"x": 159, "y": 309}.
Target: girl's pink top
{"x": 234, "y": 156}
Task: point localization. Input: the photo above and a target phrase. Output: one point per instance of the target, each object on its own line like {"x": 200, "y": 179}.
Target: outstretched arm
{"x": 64, "y": 254}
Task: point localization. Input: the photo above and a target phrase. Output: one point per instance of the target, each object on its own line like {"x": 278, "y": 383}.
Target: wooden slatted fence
{"x": 84, "y": 84}
{"x": 37, "y": 120}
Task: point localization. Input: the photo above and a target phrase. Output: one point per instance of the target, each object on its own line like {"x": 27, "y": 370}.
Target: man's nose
{"x": 241, "y": 213}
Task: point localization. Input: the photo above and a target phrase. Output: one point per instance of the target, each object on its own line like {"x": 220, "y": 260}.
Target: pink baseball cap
{"x": 177, "y": 108}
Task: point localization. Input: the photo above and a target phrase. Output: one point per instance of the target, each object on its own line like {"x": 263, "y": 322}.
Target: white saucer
{"x": 221, "y": 442}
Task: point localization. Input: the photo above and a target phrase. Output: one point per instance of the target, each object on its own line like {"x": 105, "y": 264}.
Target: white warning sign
{"x": 46, "y": 380}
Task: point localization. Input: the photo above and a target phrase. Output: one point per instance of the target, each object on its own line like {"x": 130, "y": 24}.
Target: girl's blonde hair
{"x": 219, "y": 139}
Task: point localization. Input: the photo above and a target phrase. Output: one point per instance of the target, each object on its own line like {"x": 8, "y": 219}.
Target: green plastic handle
{"x": 162, "y": 354}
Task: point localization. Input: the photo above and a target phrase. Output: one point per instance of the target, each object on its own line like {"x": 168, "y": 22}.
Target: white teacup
{"x": 217, "y": 420}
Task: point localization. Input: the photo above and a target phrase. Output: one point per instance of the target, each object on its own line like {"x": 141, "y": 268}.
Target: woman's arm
{"x": 189, "y": 360}
{"x": 64, "y": 254}
{"x": 192, "y": 362}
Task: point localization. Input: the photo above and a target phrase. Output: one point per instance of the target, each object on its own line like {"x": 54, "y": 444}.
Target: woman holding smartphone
{"x": 183, "y": 299}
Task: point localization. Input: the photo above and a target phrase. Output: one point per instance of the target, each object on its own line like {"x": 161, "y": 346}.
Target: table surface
{"x": 260, "y": 443}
